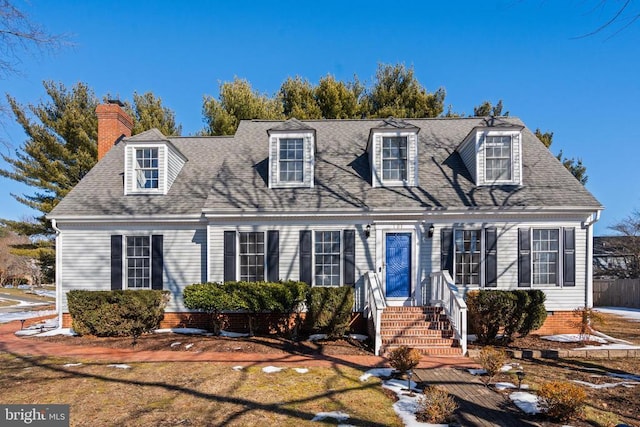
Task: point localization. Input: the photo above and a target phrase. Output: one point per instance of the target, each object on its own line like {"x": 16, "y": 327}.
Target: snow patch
{"x": 230, "y": 334}
{"x": 624, "y": 376}
{"x": 626, "y": 384}
{"x": 188, "y": 346}
{"x": 71, "y": 365}
{"x": 175, "y": 344}
{"x": 21, "y": 315}
{"x": 27, "y": 332}
{"x": 45, "y": 293}
{"x": 376, "y": 372}
{"x": 477, "y": 371}
{"x": 183, "y": 331}
{"x": 610, "y": 347}
{"x": 573, "y": 338}
{"x": 60, "y": 331}
{"x": 629, "y": 313}
{"x": 301, "y": 370}
{"x": 271, "y": 369}
{"x": 119, "y": 366}
{"x": 238, "y": 368}
{"x": 505, "y": 386}
{"x": 527, "y": 402}
{"x": 317, "y": 337}
{"x": 358, "y": 337}
{"x": 336, "y": 415}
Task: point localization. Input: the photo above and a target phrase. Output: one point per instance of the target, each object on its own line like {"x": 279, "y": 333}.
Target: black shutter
{"x": 116, "y": 262}
{"x": 446, "y": 250}
{"x": 305, "y": 256}
{"x": 491, "y": 257}
{"x": 157, "y": 262}
{"x": 569, "y": 264}
{"x": 524, "y": 257}
{"x": 229, "y": 256}
{"x": 349, "y": 255}
{"x": 273, "y": 256}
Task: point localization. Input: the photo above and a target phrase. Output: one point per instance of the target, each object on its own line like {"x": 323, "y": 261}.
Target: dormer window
{"x": 291, "y": 155}
{"x": 147, "y": 170}
{"x": 393, "y": 154}
{"x": 498, "y": 158}
{"x": 394, "y": 158}
{"x": 493, "y": 154}
{"x": 291, "y": 162}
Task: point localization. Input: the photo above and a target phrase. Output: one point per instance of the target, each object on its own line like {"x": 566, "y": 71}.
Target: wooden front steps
{"x": 426, "y": 329}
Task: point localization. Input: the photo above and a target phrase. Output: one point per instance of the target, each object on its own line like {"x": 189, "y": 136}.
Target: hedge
{"x": 492, "y": 311}
{"x": 116, "y": 313}
{"x": 329, "y": 310}
{"x": 283, "y": 298}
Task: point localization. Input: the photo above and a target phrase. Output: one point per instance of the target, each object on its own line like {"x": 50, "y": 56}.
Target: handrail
{"x": 445, "y": 293}
{"x": 375, "y": 304}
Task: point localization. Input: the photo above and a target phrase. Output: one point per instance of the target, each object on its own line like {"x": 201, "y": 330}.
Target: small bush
{"x": 436, "y": 406}
{"x": 588, "y": 318}
{"x": 561, "y": 400}
{"x": 329, "y": 310}
{"x": 492, "y": 360}
{"x": 116, "y": 313}
{"x": 404, "y": 358}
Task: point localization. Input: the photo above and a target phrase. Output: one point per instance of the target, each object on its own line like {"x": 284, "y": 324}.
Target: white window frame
{"x": 131, "y": 168}
{"x": 282, "y": 161}
{"x": 143, "y": 169}
{"x": 135, "y": 257}
{"x": 376, "y": 159}
{"x": 559, "y": 255}
{"x": 399, "y": 159}
{"x": 511, "y": 163}
{"x": 340, "y": 257}
{"x": 241, "y": 255}
{"x": 308, "y": 138}
{"x": 481, "y": 249}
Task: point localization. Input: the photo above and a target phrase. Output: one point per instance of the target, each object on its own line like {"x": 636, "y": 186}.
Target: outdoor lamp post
{"x": 520, "y": 375}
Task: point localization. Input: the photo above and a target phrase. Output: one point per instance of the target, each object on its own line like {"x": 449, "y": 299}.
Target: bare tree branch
{"x": 610, "y": 22}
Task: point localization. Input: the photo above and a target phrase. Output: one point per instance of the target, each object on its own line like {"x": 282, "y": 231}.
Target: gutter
{"x": 588, "y": 225}
{"x": 58, "y": 281}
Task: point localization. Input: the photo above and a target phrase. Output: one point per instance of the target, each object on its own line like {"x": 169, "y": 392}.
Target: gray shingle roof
{"x": 230, "y": 173}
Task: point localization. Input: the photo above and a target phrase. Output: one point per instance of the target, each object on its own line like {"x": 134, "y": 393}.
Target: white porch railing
{"x": 445, "y": 294}
{"x": 374, "y": 305}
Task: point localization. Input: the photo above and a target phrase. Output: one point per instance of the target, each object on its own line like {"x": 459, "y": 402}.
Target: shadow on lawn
{"x": 246, "y": 405}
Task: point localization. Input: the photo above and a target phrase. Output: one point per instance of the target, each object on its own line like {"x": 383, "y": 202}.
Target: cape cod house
{"x": 412, "y": 213}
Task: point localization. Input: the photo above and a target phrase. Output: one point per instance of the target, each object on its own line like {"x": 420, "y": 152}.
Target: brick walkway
{"x": 479, "y": 406}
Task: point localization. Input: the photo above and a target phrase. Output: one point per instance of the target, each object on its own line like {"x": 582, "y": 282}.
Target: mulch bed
{"x": 197, "y": 343}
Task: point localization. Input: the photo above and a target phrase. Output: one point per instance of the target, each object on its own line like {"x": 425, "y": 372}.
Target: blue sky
{"x": 585, "y": 90}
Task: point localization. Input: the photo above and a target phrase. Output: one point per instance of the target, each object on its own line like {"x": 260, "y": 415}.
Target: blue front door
{"x": 398, "y": 265}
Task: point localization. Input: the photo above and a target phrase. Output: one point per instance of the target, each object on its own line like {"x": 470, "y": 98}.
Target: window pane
{"x": 545, "y": 255}
{"x": 147, "y": 170}
{"x": 291, "y": 159}
{"x": 467, "y": 256}
{"x": 252, "y": 256}
{"x": 394, "y": 158}
{"x": 327, "y": 258}
{"x": 498, "y": 158}
{"x": 138, "y": 261}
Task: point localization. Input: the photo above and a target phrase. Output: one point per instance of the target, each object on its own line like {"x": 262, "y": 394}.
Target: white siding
{"x": 289, "y": 237}
{"x": 468, "y": 155}
{"x": 558, "y": 298}
{"x": 174, "y": 166}
{"x": 85, "y": 258}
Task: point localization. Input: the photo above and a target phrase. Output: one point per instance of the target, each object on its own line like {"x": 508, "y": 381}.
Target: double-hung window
{"x": 291, "y": 154}
{"x": 545, "y": 256}
{"x": 146, "y": 168}
{"x": 327, "y": 258}
{"x": 252, "y": 256}
{"x": 467, "y": 247}
{"x": 394, "y": 158}
{"x": 498, "y": 158}
{"x": 138, "y": 262}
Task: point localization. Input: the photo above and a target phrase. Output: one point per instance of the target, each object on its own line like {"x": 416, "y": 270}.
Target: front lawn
{"x": 189, "y": 393}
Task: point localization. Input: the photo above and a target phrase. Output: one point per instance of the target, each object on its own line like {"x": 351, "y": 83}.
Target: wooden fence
{"x": 616, "y": 293}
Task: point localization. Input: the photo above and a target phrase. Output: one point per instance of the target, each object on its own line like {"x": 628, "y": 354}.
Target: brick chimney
{"x": 113, "y": 124}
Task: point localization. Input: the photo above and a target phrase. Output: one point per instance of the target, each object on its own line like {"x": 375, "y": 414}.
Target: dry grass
{"x": 193, "y": 393}
{"x": 620, "y": 327}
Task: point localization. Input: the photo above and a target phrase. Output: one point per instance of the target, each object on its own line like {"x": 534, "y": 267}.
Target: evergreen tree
{"x": 148, "y": 112}
{"x": 339, "y": 100}
{"x": 488, "y": 109}
{"x": 396, "y": 92}
{"x": 298, "y": 99}
{"x": 237, "y": 101}
{"x": 573, "y": 165}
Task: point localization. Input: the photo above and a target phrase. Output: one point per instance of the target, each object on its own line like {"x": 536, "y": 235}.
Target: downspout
{"x": 588, "y": 224}
{"x": 58, "y": 272}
